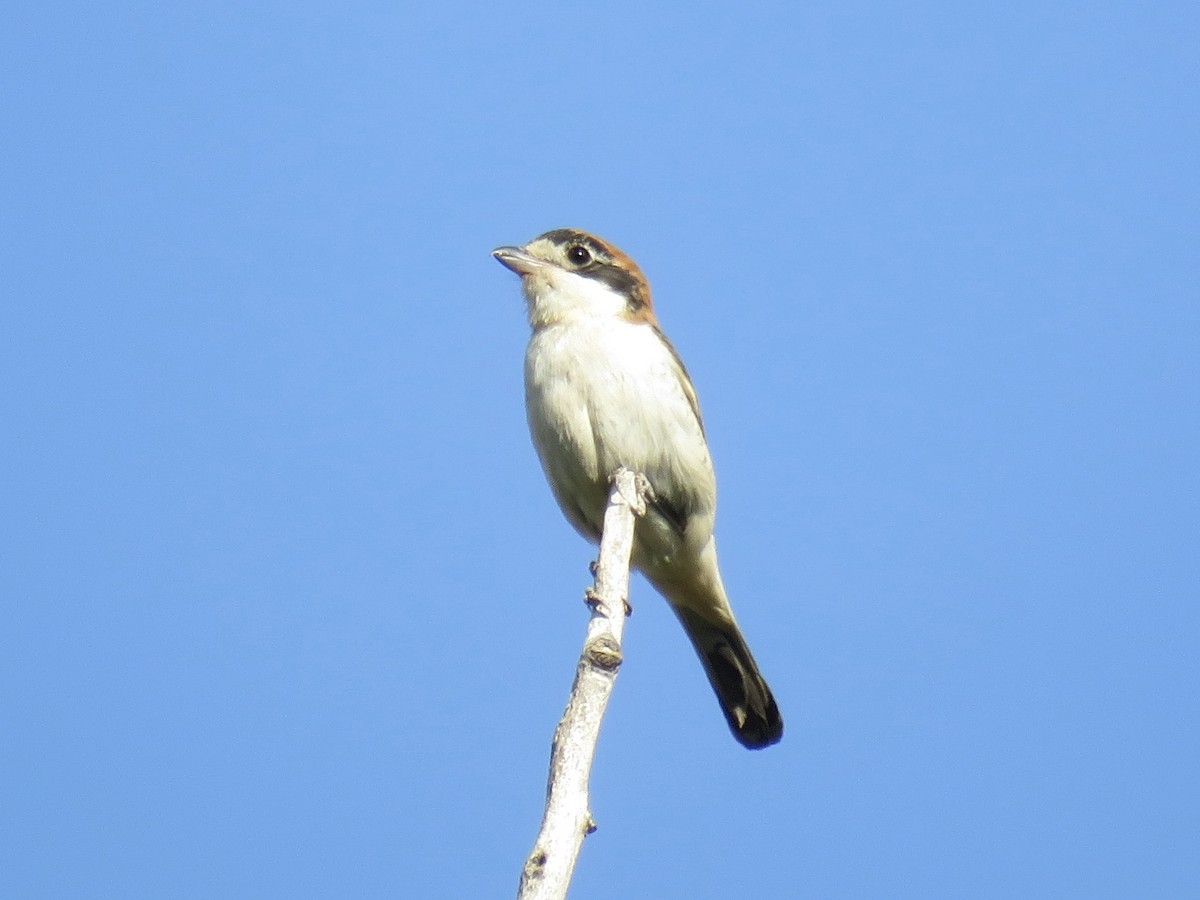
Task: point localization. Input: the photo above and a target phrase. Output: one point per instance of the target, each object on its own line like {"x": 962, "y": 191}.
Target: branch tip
{"x": 567, "y": 818}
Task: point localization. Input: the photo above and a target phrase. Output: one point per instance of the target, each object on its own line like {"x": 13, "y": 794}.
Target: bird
{"x": 605, "y": 389}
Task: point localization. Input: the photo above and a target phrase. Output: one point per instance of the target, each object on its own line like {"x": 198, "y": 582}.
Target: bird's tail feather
{"x": 694, "y": 591}
{"x": 745, "y": 699}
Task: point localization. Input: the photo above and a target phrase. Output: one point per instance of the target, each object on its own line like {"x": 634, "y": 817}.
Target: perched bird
{"x": 604, "y": 388}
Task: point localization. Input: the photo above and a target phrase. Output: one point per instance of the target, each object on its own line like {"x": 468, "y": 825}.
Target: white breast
{"x": 604, "y": 392}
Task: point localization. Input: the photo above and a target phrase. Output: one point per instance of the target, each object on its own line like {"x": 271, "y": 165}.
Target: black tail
{"x": 744, "y": 696}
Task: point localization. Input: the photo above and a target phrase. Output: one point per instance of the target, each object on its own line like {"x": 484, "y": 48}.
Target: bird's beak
{"x": 517, "y": 259}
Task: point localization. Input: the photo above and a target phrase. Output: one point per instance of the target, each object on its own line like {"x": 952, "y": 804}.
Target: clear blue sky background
{"x": 287, "y": 609}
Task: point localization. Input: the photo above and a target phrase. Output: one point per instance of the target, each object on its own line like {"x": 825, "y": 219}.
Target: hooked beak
{"x": 517, "y": 260}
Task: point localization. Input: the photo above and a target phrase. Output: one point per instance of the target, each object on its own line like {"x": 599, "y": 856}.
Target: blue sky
{"x": 288, "y": 610}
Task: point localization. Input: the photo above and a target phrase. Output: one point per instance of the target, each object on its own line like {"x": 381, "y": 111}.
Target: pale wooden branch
{"x": 567, "y": 818}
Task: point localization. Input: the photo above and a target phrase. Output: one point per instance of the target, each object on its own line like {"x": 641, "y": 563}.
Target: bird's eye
{"x": 579, "y": 255}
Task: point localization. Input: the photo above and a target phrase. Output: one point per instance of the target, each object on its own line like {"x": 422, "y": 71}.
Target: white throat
{"x": 555, "y": 296}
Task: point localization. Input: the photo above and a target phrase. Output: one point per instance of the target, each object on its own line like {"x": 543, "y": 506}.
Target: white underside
{"x": 604, "y": 392}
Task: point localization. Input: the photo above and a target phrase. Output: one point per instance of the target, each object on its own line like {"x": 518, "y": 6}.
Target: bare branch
{"x": 567, "y": 818}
